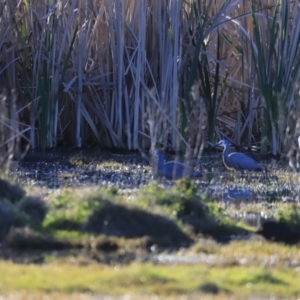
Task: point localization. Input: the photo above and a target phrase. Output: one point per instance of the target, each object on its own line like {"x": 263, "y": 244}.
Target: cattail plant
{"x": 125, "y": 73}
{"x": 277, "y": 62}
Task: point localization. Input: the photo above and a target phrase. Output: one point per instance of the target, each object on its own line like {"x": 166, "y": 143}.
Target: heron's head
{"x": 222, "y": 143}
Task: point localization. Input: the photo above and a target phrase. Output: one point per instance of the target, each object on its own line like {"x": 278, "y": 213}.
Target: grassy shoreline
{"x": 168, "y": 242}
{"x": 149, "y": 279}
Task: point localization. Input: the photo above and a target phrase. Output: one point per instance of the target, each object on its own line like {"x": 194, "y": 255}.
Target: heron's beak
{"x": 218, "y": 144}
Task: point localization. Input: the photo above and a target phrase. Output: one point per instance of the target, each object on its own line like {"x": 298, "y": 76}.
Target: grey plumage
{"x": 238, "y": 161}
{"x": 172, "y": 169}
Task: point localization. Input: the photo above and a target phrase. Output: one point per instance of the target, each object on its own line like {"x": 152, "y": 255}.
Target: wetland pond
{"x": 103, "y": 210}
{"x": 251, "y": 197}
{"x": 128, "y": 171}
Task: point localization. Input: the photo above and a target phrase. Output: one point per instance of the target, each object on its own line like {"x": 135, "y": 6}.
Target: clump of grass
{"x": 185, "y": 205}
{"x": 289, "y": 214}
{"x": 35, "y": 208}
{"x": 25, "y": 238}
{"x": 10, "y": 216}
{"x": 18, "y": 210}
{"x": 100, "y": 213}
{"x": 167, "y": 217}
{"x": 10, "y": 191}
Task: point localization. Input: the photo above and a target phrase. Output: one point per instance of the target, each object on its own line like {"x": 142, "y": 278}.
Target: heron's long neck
{"x": 226, "y": 151}
{"x": 160, "y": 162}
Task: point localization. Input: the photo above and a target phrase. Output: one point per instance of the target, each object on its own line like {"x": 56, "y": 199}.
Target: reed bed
{"x": 145, "y": 74}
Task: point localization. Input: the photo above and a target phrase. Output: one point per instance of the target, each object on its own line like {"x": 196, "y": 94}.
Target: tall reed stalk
{"x": 125, "y": 73}
{"x": 44, "y": 59}
{"x": 12, "y": 131}
{"x": 201, "y": 68}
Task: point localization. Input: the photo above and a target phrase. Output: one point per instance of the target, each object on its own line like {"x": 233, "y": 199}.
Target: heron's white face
{"x": 222, "y": 143}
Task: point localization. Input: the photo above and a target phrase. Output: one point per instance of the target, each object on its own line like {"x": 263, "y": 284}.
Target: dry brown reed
{"x": 10, "y": 129}
{"x": 116, "y": 72}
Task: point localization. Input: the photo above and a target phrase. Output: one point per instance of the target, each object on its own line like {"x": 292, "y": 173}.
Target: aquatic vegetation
{"x": 182, "y": 224}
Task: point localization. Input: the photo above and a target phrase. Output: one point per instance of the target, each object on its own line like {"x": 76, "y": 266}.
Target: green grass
{"x": 154, "y": 211}
{"x": 150, "y": 279}
{"x": 103, "y": 263}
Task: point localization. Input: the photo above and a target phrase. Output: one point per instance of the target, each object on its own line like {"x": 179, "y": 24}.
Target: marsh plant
{"x": 277, "y": 64}
{"x": 11, "y": 130}
{"x": 137, "y": 74}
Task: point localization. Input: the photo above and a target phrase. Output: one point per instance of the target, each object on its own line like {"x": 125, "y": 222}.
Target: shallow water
{"x": 248, "y": 197}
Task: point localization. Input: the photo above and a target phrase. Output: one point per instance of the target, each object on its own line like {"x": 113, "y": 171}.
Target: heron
{"x": 172, "y": 169}
{"x": 238, "y": 161}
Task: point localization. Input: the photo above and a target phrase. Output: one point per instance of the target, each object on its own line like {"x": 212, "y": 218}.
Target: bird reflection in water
{"x": 237, "y": 195}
